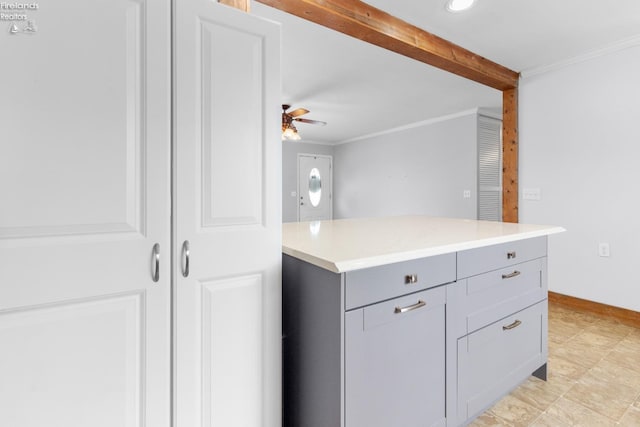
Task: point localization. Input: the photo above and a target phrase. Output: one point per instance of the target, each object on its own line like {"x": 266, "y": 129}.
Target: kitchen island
{"x": 412, "y": 321}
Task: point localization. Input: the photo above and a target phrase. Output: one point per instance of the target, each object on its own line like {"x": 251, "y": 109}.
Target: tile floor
{"x": 594, "y": 378}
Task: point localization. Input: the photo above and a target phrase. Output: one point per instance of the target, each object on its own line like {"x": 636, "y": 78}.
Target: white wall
{"x": 290, "y": 151}
{"x": 423, "y": 170}
{"x": 580, "y": 144}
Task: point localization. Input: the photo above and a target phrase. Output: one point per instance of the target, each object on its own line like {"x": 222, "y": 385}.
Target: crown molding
{"x": 412, "y": 125}
{"x": 614, "y": 47}
{"x": 490, "y": 113}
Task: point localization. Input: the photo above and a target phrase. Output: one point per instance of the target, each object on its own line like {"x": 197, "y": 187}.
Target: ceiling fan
{"x": 289, "y": 130}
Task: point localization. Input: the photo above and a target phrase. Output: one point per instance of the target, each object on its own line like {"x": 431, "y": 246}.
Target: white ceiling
{"x": 360, "y": 89}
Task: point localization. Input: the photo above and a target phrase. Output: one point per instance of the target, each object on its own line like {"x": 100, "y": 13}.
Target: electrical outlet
{"x": 466, "y": 194}
{"x": 603, "y": 249}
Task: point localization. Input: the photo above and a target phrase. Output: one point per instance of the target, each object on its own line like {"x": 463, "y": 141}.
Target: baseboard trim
{"x": 622, "y": 315}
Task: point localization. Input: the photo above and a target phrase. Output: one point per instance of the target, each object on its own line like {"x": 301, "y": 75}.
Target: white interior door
{"x": 84, "y": 194}
{"x": 314, "y": 187}
{"x": 228, "y": 209}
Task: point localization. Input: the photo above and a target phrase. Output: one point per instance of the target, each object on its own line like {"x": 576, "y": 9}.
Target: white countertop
{"x": 351, "y": 244}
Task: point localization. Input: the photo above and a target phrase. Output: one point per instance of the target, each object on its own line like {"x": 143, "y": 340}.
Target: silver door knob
{"x": 185, "y": 258}
{"x": 155, "y": 262}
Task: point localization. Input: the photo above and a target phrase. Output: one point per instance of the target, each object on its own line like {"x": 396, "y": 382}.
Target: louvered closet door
{"x": 84, "y": 197}
{"x": 489, "y": 168}
{"x": 228, "y": 209}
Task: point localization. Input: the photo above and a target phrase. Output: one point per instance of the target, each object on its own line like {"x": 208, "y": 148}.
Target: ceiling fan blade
{"x": 313, "y": 122}
{"x": 297, "y": 112}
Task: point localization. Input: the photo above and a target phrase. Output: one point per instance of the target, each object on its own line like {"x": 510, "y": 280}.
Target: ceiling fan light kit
{"x": 459, "y": 5}
{"x": 289, "y": 131}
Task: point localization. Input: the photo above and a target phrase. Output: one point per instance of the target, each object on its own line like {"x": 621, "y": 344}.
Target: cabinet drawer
{"x": 395, "y": 362}
{"x": 486, "y": 298}
{"x": 399, "y": 308}
{"x": 372, "y": 285}
{"x": 497, "y": 358}
{"x": 477, "y": 261}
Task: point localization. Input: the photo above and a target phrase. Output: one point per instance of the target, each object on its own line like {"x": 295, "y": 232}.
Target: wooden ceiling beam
{"x": 367, "y": 23}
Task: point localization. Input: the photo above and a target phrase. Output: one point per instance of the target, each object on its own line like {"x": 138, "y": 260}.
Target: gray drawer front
{"x": 477, "y": 261}
{"x": 486, "y": 298}
{"x": 372, "y": 285}
{"x": 387, "y": 312}
{"x": 494, "y": 360}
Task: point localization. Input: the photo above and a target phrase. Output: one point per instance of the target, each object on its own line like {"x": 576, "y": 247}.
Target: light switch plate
{"x": 531, "y": 194}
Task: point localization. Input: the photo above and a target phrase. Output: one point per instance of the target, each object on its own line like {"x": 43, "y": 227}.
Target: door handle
{"x": 155, "y": 260}
{"x": 399, "y": 310}
{"x": 185, "y": 258}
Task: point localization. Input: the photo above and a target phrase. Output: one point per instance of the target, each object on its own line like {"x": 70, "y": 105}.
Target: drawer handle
{"x": 512, "y": 326}
{"x": 510, "y": 275}
{"x": 415, "y": 306}
{"x": 410, "y": 279}
{"x": 511, "y": 255}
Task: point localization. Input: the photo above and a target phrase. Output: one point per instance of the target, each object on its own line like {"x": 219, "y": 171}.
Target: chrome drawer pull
{"x": 510, "y": 275}
{"x": 511, "y": 326}
{"x": 417, "y": 305}
{"x": 511, "y": 255}
{"x": 410, "y": 279}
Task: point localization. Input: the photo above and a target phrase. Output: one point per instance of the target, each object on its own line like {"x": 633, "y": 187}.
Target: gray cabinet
{"x": 428, "y": 342}
{"x": 495, "y": 359}
{"x": 496, "y": 325}
{"x": 366, "y": 347}
{"x": 395, "y": 362}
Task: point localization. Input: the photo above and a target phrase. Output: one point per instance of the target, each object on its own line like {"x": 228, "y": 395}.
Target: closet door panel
{"x": 232, "y": 351}
{"x": 85, "y": 194}
{"x": 232, "y": 169}
{"x": 228, "y": 215}
{"x": 74, "y": 364}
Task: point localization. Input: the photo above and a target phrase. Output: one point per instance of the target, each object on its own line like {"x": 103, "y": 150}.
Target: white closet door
{"x": 489, "y": 169}
{"x": 228, "y": 209}
{"x": 84, "y": 197}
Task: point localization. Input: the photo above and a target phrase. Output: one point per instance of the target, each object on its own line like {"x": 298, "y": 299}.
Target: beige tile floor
{"x": 594, "y": 378}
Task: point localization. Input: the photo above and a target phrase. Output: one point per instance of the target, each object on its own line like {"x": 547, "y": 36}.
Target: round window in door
{"x": 315, "y": 187}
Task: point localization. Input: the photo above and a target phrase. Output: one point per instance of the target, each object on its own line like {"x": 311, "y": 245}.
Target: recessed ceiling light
{"x": 459, "y": 5}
